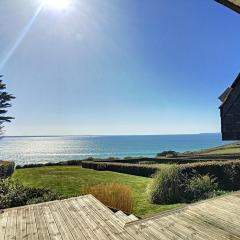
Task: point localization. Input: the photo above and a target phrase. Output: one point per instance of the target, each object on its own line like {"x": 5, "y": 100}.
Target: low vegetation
{"x": 14, "y": 194}
{"x": 166, "y": 187}
{"x": 170, "y": 178}
{"x": 226, "y": 173}
{"x": 114, "y": 195}
{"x": 6, "y": 169}
{"x": 200, "y": 187}
{"x": 70, "y": 181}
{"x": 229, "y": 149}
{"x": 169, "y": 153}
{"x": 133, "y": 169}
{"x": 174, "y": 184}
{"x": 49, "y": 164}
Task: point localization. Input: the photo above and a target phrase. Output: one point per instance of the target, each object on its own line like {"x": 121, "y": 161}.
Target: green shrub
{"x": 166, "y": 187}
{"x": 49, "y": 164}
{"x": 134, "y": 169}
{"x": 14, "y": 194}
{"x": 227, "y": 173}
{"x": 200, "y": 187}
{"x": 171, "y": 186}
{"x": 168, "y": 153}
{"x": 6, "y": 169}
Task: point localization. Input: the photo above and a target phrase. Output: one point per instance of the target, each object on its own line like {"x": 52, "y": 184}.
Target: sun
{"x": 57, "y": 4}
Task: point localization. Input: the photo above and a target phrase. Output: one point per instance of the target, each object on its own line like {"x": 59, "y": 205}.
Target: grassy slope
{"x": 233, "y": 148}
{"x": 70, "y": 181}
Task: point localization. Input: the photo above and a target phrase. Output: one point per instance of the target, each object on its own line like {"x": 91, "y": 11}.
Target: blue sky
{"x": 118, "y": 66}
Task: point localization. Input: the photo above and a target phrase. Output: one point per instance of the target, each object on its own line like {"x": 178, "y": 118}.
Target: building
{"x": 233, "y": 4}
{"x": 230, "y": 111}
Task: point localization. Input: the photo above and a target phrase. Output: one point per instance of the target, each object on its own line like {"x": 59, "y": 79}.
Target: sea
{"x": 42, "y": 149}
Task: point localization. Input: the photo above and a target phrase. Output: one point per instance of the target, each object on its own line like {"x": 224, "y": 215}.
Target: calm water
{"x": 25, "y": 150}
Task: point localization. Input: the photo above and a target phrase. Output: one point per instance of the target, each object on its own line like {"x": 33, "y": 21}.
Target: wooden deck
{"x": 86, "y": 218}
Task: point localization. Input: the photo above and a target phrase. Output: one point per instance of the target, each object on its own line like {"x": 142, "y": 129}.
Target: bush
{"x": 200, "y": 187}
{"x": 169, "y": 153}
{"x": 49, "y": 164}
{"x": 171, "y": 186}
{"x": 134, "y": 169}
{"x": 166, "y": 187}
{"x": 227, "y": 173}
{"x": 113, "y": 195}
{"x": 6, "y": 168}
{"x": 14, "y": 194}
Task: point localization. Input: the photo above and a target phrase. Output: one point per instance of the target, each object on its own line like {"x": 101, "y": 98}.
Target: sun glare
{"x": 57, "y": 4}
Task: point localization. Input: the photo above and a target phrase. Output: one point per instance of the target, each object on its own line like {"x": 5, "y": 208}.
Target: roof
{"x": 87, "y": 218}
{"x": 232, "y": 4}
{"x": 227, "y": 93}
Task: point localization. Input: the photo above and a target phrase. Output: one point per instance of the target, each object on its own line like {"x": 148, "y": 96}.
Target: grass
{"x": 115, "y": 195}
{"x": 233, "y": 148}
{"x": 71, "y": 181}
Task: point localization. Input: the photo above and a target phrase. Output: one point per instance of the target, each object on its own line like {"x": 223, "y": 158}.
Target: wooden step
{"x": 124, "y": 217}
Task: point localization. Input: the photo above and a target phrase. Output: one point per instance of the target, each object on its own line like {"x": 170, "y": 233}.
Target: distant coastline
{"x": 109, "y": 135}
{"x": 43, "y": 149}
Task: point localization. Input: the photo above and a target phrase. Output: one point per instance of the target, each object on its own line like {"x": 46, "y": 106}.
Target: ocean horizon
{"x": 42, "y": 149}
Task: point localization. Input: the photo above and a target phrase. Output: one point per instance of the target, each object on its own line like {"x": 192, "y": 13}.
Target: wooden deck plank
{"x": 21, "y": 224}
{"x": 79, "y": 219}
{"x": 85, "y": 218}
{"x": 32, "y": 233}
{"x": 218, "y": 223}
{"x": 51, "y": 225}
{"x": 3, "y": 224}
{"x": 217, "y": 216}
{"x": 59, "y": 220}
{"x": 102, "y": 222}
{"x": 11, "y": 225}
{"x": 204, "y": 227}
{"x": 113, "y": 221}
{"x": 132, "y": 217}
{"x": 93, "y": 221}
{"x": 43, "y": 233}
{"x": 74, "y": 226}
{"x": 186, "y": 231}
{"x": 224, "y": 212}
{"x": 172, "y": 229}
{"x": 159, "y": 230}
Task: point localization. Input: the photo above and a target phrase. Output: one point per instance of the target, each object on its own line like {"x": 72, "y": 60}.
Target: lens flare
{"x": 57, "y": 4}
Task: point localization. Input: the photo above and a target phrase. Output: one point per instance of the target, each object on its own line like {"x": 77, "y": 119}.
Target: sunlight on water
{"x": 24, "y": 150}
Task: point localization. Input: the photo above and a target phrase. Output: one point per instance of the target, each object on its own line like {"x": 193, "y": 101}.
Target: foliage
{"x": 63, "y": 163}
{"x": 115, "y": 195}
{"x": 71, "y": 181}
{"x": 14, "y": 194}
{"x": 166, "y": 187}
{"x": 168, "y": 153}
{"x": 181, "y": 183}
{"x": 5, "y": 99}
{"x": 200, "y": 187}
{"x": 227, "y": 173}
{"x": 134, "y": 169}
{"x": 6, "y": 169}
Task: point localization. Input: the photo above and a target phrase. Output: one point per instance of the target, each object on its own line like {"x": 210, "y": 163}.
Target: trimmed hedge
{"x": 64, "y": 163}
{"x": 133, "y": 169}
{"x": 161, "y": 160}
{"x": 6, "y": 169}
{"x": 227, "y": 172}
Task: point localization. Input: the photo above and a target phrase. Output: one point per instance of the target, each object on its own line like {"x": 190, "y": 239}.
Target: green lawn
{"x": 70, "y": 181}
{"x": 233, "y": 148}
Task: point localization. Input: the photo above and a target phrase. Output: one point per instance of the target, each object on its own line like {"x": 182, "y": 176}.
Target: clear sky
{"x": 117, "y": 66}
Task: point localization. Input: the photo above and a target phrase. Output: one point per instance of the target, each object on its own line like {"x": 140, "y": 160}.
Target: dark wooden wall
{"x": 230, "y": 115}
